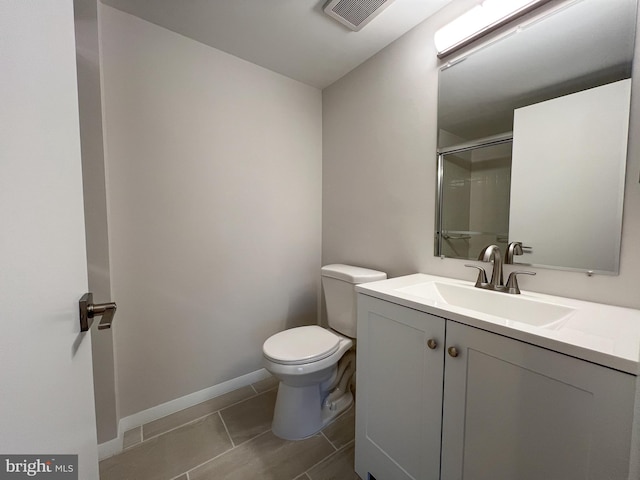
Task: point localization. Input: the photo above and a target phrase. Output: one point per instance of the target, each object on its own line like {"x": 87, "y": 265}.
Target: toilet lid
{"x": 301, "y": 345}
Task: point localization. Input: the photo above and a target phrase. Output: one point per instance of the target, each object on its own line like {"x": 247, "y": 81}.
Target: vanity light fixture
{"x": 480, "y": 20}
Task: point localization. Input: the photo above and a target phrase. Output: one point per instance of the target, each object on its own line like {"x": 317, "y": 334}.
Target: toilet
{"x": 315, "y": 365}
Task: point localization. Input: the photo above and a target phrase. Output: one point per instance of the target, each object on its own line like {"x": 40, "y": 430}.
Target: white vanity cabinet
{"x": 516, "y": 411}
{"x": 481, "y": 406}
{"x": 399, "y": 391}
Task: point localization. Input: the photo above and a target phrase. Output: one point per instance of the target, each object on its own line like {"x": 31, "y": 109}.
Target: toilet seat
{"x": 301, "y": 345}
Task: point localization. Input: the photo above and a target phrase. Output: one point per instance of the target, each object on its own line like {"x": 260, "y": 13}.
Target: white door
{"x": 46, "y": 380}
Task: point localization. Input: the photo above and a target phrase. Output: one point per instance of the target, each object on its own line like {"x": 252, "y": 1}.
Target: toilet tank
{"x": 338, "y": 282}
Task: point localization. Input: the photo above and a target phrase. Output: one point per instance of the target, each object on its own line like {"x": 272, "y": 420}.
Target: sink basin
{"x": 509, "y": 307}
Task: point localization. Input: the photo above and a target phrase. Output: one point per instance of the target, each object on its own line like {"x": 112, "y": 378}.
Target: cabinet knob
{"x": 432, "y": 344}
{"x": 453, "y": 351}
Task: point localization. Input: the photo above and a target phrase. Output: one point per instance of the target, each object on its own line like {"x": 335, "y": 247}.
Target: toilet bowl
{"x": 312, "y": 362}
{"x": 304, "y": 382}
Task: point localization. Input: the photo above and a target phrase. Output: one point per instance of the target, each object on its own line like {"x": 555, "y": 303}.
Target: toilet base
{"x": 339, "y": 405}
{"x": 299, "y": 413}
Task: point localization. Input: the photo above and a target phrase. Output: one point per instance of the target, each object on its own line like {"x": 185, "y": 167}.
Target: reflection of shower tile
{"x": 490, "y": 200}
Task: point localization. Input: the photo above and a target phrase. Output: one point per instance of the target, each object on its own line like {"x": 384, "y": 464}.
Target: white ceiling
{"x": 291, "y": 37}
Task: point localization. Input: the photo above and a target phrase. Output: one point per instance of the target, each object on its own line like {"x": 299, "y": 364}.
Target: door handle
{"x": 88, "y": 310}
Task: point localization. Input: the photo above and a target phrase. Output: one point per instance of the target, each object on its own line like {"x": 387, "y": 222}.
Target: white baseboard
{"x": 112, "y": 447}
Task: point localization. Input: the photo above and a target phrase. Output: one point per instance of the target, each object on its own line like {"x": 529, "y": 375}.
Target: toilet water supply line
{"x": 346, "y": 369}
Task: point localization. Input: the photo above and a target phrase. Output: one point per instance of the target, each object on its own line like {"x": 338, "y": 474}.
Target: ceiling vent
{"x": 355, "y": 14}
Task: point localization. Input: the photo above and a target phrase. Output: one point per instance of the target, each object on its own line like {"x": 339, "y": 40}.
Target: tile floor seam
{"x": 189, "y": 422}
{"x": 344, "y": 412}
{"x": 221, "y": 454}
{"x": 335, "y": 452}
{"x": 305, "y": 473}
{"x": 330, "y": 442}
{"x": 263, "y": 392}
{"x": 253, "y": 438}
{"x": 252, "y": 395}
{"x": 153, "y": 437}
{"x": 134, "y": 444}
{"x": 239, "y": 401}
{"x": 233, "y": 444}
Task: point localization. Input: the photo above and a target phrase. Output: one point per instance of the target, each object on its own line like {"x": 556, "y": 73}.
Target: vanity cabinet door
{"x": 399, "y": 391}
{"x": 514, "y": 411}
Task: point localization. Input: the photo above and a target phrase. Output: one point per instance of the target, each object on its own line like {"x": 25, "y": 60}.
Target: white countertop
{"x": 602, "y": 334}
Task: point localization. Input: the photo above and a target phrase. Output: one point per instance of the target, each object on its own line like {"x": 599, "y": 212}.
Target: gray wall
{"x": 379, "y": 166}
{"x": 215, "y": 173}
{"x": 214, "y": 208}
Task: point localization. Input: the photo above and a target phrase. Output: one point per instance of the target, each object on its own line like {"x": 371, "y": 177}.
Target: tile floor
{"x": 229, "y": 437}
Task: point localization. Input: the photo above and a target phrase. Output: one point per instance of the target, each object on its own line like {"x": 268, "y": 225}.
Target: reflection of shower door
{"x": 473, "y": 195}
{"x": 566, "y": 201}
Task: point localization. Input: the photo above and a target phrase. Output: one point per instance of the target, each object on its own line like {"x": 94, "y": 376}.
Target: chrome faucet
{"x": 491, "y": 253}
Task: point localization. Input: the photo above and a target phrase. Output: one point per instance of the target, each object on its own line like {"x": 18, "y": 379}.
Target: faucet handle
{"x": 512, "y": 281}
{"x": 482, "y": 275}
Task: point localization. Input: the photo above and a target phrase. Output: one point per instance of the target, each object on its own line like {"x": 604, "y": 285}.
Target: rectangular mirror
{"x": 532, "y": 138}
